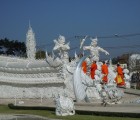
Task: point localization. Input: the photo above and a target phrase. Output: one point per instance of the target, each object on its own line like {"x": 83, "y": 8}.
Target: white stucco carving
{"x": 52, "y": 61}
{"x": 64, "y": 105}
{"x": 94, "y": 49}
{"x": 62, "y": 48}
{"x": 127, "y": 77}
{"x": 30, "y": 44}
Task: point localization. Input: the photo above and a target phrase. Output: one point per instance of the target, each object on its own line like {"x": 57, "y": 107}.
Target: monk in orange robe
{"x": 104, "y": 68}
{"x": 92, "y": 69}
{"x": 120, "y": 74}
{"x": 84, "y": 66}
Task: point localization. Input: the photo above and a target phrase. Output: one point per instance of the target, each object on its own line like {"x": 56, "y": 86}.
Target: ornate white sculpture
{"x": 126, "y": 77}
{"x": 94, "y": 50}
{"x": 98, "y": 79}
{"x": 52, "y": 61}
{"x": 111, "y": 76}
{"x": 111, "y": 95}
{"x": 62, "y": 48}
{"x": 64, "y": 105}
{"x": 79, "y": 88}
{"x": 30, "y": 44}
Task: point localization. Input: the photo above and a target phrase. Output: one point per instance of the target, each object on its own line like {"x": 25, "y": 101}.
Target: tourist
{"x": 120, "y": 76}
{"x": 104, "y": 69}
{"x": 92, "y": 69}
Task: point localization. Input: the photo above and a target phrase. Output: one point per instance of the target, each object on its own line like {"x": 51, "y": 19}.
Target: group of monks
{"x": 104, "y": 69}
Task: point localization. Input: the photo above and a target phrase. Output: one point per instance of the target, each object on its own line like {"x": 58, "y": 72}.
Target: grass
{"x": 4, "y": 109}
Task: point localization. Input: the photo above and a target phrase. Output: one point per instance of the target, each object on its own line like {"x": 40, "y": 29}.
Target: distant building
{"x": 123, "y": 59}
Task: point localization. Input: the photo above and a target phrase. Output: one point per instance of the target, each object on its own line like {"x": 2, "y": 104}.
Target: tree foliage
{"x": 40, "y": 54}
{"x": 12, "y": 47}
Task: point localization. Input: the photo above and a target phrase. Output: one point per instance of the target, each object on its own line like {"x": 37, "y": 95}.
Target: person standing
{"x": 84, "y": 66}
{"x": 92, "y": 69}
{"x": 120, "y": 76}
{"x": 104, "y": 69}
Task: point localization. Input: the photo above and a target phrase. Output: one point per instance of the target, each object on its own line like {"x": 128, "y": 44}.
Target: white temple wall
{"x": 31, "y": 91}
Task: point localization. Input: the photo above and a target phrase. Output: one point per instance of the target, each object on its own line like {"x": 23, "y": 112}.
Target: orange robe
{"x": 92, "y": 70}
{"x": 120, "y": 73}
{"x": 84, "y": 66}
{"x": 105, "y": 73}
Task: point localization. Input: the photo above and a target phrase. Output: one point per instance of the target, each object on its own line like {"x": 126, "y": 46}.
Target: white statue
{"x": 64, "y": 105}
{"x": 62, "y": 48}
{"x": 127, "y": 77}
{"x": 111, "y": 76}
{"x": 94, "y": 50}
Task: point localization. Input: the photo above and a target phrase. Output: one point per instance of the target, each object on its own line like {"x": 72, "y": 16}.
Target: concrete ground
{"x": 126, "y": 107}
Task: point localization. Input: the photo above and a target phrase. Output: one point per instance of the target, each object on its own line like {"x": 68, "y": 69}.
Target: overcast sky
{"x": 51, "y": 18}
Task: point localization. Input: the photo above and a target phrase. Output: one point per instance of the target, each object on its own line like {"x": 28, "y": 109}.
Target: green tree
{"x": 14, "y": 47}
{"x": 40, "y": 54}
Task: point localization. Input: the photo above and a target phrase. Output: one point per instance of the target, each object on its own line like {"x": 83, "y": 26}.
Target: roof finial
{"x": 29, "y": 24}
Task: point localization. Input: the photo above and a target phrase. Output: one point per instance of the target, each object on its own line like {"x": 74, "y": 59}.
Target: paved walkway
{"x": 83, "y": 108}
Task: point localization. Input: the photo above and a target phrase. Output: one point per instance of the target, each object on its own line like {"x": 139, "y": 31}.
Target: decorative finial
{"x": 29, "y": 24}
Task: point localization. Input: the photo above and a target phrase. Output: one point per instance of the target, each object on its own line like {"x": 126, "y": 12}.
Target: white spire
{"x": 30, "y": 25}
{"x": 30, "y": 43}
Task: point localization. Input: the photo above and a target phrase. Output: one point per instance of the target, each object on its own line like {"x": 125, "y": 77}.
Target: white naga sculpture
{"x": 94, "y": 50}
{"x": 62, "y": 48}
